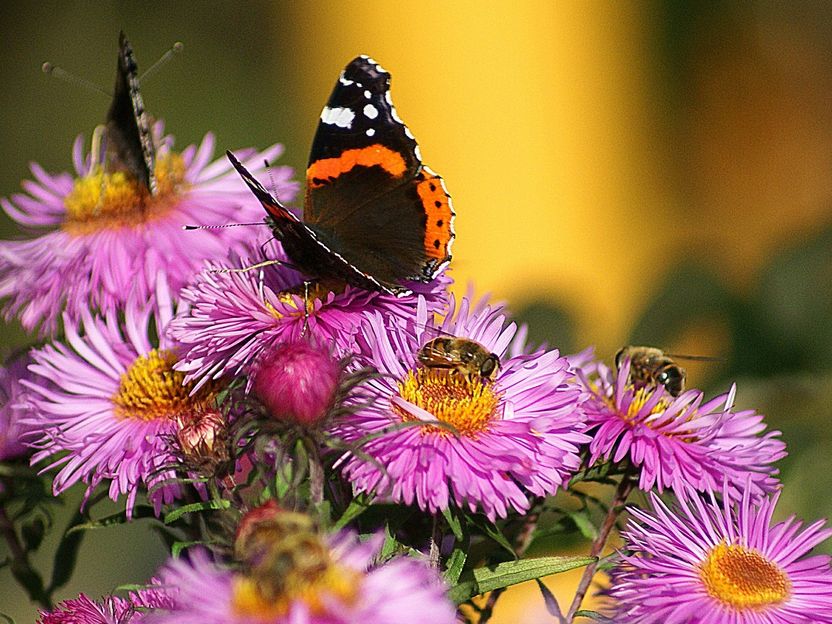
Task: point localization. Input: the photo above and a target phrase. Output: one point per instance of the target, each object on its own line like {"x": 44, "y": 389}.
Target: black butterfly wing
{"x": 129, "y": 138}
{"x": 367, "y": 191}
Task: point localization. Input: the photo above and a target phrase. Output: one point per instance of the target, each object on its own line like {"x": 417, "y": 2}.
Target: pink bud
{"x": 297, "y": 382}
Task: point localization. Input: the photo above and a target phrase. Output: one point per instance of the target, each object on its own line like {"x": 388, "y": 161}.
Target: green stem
{"x": 316, "y": 474}
{"x": 435, "y": 542}
{"x": 616, "y": 507}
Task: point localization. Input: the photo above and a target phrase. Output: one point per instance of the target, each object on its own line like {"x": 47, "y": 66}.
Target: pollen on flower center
{"x": 742, "y": 578}
{"x": 468, "y": 405}
{"x": 103, "y": 199}
{"x": 151, "y": 389}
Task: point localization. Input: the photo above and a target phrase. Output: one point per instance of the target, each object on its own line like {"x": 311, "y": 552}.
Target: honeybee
{"x": 651, "y": 366}
{"x": 461, "y": 356}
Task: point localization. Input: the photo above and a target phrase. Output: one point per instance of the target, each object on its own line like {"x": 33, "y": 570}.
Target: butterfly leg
{"x": 252, "y": 267}
{"x": 306, "y": 284}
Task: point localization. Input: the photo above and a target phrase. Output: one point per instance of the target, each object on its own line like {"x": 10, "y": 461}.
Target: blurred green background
{"x": 649, "y": 173}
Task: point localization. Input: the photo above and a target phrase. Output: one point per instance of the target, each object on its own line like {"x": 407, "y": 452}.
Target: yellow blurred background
{"x": 621, "y": 171}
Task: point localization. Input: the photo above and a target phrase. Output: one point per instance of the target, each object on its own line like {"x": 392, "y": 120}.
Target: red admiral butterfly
{"x": 373, "y": 213}
{"x": 127, "y": 134}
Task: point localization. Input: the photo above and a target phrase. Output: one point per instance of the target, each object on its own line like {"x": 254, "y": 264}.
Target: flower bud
{"x": 203, "y": 441}
{"x": 297, "y": 382}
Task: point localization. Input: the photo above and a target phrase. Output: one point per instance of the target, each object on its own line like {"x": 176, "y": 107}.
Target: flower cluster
{"x": 326, "y": 443}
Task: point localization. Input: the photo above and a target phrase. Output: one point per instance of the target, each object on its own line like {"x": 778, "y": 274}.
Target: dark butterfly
{"x": 374, "y": 215}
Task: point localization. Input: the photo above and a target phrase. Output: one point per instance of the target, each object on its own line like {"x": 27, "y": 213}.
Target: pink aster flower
{"x": 13, "y": 408}
{"x": 108, "y": 610}
{"x": 347, "y": 589}
{"x": 235, "y": 317}
{"x": 706, "y": 562}
{"x": 444, "y": 435}
{"x": 99, "y": 235}
{"x": 110, "y": 401}
{"x": 678, "y": 442}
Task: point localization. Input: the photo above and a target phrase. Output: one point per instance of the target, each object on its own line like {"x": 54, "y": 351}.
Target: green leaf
{"x": 357, "y": 506}
{"x": 139, "y": 512}
{"x": 29, "y": 579}
{"x": 456, "y": 561}
{"x": 483, "y": 580}
{"x": 63, "y": 563}
{"x": 491, "y": 530}
{"x": 178, "y": 547}
{"x": 584, "y": 524}
{"x": 453, "y": 522}
{"x": 177, "y": 513}
{"x": 32, "y": 533}
{"x": 391, "y": 544}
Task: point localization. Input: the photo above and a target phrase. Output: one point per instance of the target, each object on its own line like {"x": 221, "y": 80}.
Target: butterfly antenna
{"x": 219, "y": 227}
{"x": 53, "y": 70}
{"x": 175, "y": 49}
{"x": 271, "y": 180}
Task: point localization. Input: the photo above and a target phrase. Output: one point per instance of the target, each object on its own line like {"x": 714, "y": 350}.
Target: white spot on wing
{"x": 370, "y": 111}
{"x": 338, "y": 116}
{"x": 345, "y": 81}
{"x": 417, "y": 152}
{"x": 409, "y": 133}
{"x": 381, "y": 69}
{"x": 370, "y": 131}
{"x": 368, "y": 95}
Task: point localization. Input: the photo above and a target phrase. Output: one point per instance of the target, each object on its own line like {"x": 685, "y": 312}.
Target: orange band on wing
{"x": 439, "y": 227}
{"x": 326, "y": 170}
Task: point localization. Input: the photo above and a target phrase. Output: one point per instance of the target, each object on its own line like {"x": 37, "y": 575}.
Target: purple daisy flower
{"x": 233, "y": 318}
{"x": 678, "y": 442}
{"x": 706, "y": 562}
{"x": 111, "y": 401}
{"x": 105, "y": 235}
{"x": 348, "y": 590}
{"x": 13, "y": 409}
{"x": 481, "y": 441}
{"x": 108, "y": 610}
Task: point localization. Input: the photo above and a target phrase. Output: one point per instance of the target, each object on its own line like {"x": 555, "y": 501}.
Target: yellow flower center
{"x": 469, "y": 405}
{"x": 103, "y": 199}
{"x": 151, "y": 389}
{"x": 743, "y": 578}
{"x": 640, "y": 398}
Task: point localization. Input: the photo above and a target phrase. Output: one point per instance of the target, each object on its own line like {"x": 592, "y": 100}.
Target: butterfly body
{"x": 374, "y": 215}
